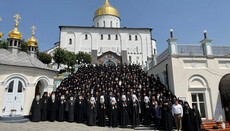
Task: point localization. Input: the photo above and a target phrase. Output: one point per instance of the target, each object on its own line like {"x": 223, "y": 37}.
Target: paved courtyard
{"x": 54, "y": 126}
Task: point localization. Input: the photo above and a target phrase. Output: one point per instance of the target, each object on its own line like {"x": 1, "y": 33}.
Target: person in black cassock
{"x": 134, "y": 111}
{"x": 36, "y": 109}
{"x": 80, "y": 108}
{"x": 113, "y": 113}
{"x": 124, "y": 111}
{"x": 187, "y": 117}
{"x": 70, "y": 108}
{"x": 53, "y": 107}
{"x": 101, "y": 111}
{"x": 92, "y": 112}
{"x": 146, "y": 106}
{"x": 44, "y": 109}
{"x": 61, "y": 111}
{"x": 196, "y": 119}
{"x": 167, "y": 117}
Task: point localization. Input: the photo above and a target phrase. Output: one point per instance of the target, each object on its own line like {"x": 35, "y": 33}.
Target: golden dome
{"x": 15, "y": 33}
{"x": 106, "y": 9}
{"x": 1, "y": 34}
{"x": 32, "y": 41}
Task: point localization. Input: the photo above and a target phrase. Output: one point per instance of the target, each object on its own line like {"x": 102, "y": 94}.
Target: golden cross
{"x": 33, "y": 28}
{"x": 17, "y": 16}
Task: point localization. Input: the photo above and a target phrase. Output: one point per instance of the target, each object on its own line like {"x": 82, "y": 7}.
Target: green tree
{"x": 70, "y": 59}
{"x": 44, "y": 57}
{"x": 84, "y": 57}
{"x": 4, "y": 44}
{"x": 24, "y": 46}
{"x": 59, "y": 56}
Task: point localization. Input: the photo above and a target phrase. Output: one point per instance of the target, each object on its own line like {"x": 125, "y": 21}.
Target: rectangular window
{"x": 116, "y": 37}
{"x": 130, "y": 59}
{"x": 130, "y": 37}
{"x": 101, "y": 37}
{"x": 198, "y": 100}
{"x": 136, "y": 38}
{"x": 109, "y": 37}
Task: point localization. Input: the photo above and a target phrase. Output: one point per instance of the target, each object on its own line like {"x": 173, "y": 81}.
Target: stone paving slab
{"x": 54, "y": 126}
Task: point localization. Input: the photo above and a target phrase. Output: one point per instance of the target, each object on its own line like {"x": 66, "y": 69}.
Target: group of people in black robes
{"x": 112, "y": 96}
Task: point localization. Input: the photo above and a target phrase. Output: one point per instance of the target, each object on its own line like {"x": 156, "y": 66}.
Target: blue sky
{"x": 188, "y": 18}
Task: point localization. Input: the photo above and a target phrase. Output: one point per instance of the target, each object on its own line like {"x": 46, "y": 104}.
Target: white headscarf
{"x": 102, "y": 99}
{"x": 113, "y": 100}
{"x": 146, "y": 99}
{"x": 134, "y": 96}
{"x": 123, "y": 97}
{"x": 92, "y": 100}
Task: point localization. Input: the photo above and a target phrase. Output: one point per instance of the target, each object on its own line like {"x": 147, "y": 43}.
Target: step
{"x": 16, "y": 119}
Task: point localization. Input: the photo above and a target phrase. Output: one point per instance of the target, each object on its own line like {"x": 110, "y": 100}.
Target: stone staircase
{"x": 16, "y": 119}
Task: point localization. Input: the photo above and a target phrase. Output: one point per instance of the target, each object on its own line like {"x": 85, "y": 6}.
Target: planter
{"x": 13, "y": 113}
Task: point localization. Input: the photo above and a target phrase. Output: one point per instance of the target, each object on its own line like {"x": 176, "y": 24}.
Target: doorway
{"x": 14, "y": 97}
{"x": 224, "y": 87}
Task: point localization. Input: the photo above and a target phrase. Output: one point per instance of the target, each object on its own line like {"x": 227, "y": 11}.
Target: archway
{"x": 41, "y": 87}
{"x": 224, "y": 88}
{"x": 110, "y": 62}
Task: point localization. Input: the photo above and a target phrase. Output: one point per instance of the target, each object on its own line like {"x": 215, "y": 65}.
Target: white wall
{"x": 144, "y": 41}
{"x": 31, "y": 76}
{"x": 210, "y": 70}
{"x": 107, "y": 21}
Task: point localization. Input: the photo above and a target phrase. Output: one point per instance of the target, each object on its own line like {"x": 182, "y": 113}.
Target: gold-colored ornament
{"x": 32, "y": 41}
{"x": 106, "y": 9}
{"x": 1, "y": 34}
{"x": 15, "y": 33}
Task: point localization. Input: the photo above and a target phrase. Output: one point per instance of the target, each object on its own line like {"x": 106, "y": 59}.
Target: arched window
{"x": 15, "y": 43}
{"x": 86, "y": 37}
{"x": 97, "y": 24}
{"x": 101, "y": 36}
{"x": 19, "y": 86}
{"x": 111, "y": 23}
{"x": 11, "y": 86}
{"x": 32, "y": 48}
{"x": 70, "y": 41}
{"x": 136, "y": 38}
{"x": 104, "y": 23}
{"x": 116, "y": 37}
{"x": 11, "y": 42}
{"x": 130, "y": 37}
{"x": 109, "y": 37}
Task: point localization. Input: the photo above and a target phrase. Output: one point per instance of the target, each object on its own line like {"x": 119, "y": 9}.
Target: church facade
{"x": 198, "y": 74}
{"x": 22, "y": 75}
{"x": 107, "y": 42}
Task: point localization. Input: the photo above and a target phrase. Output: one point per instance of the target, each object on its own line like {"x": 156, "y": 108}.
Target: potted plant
{"x": 13, "y": 112}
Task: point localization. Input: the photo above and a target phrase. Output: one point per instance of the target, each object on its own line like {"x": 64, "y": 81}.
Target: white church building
{"x": 22, "y": 75}
{"x": 107, "y": 41}
{"x": 197, "y": 73}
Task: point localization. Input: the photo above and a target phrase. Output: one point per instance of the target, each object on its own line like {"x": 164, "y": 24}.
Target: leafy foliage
{"x": 83, "y": 58}
{"x": 44, "y": 57}
{"x": 70, "y": 59}
{"x": 3, "y": 44}
{"x": 59, "y": 56}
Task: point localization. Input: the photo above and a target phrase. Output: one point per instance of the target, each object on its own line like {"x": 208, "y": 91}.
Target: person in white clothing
{"x": 177, "y": 112}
